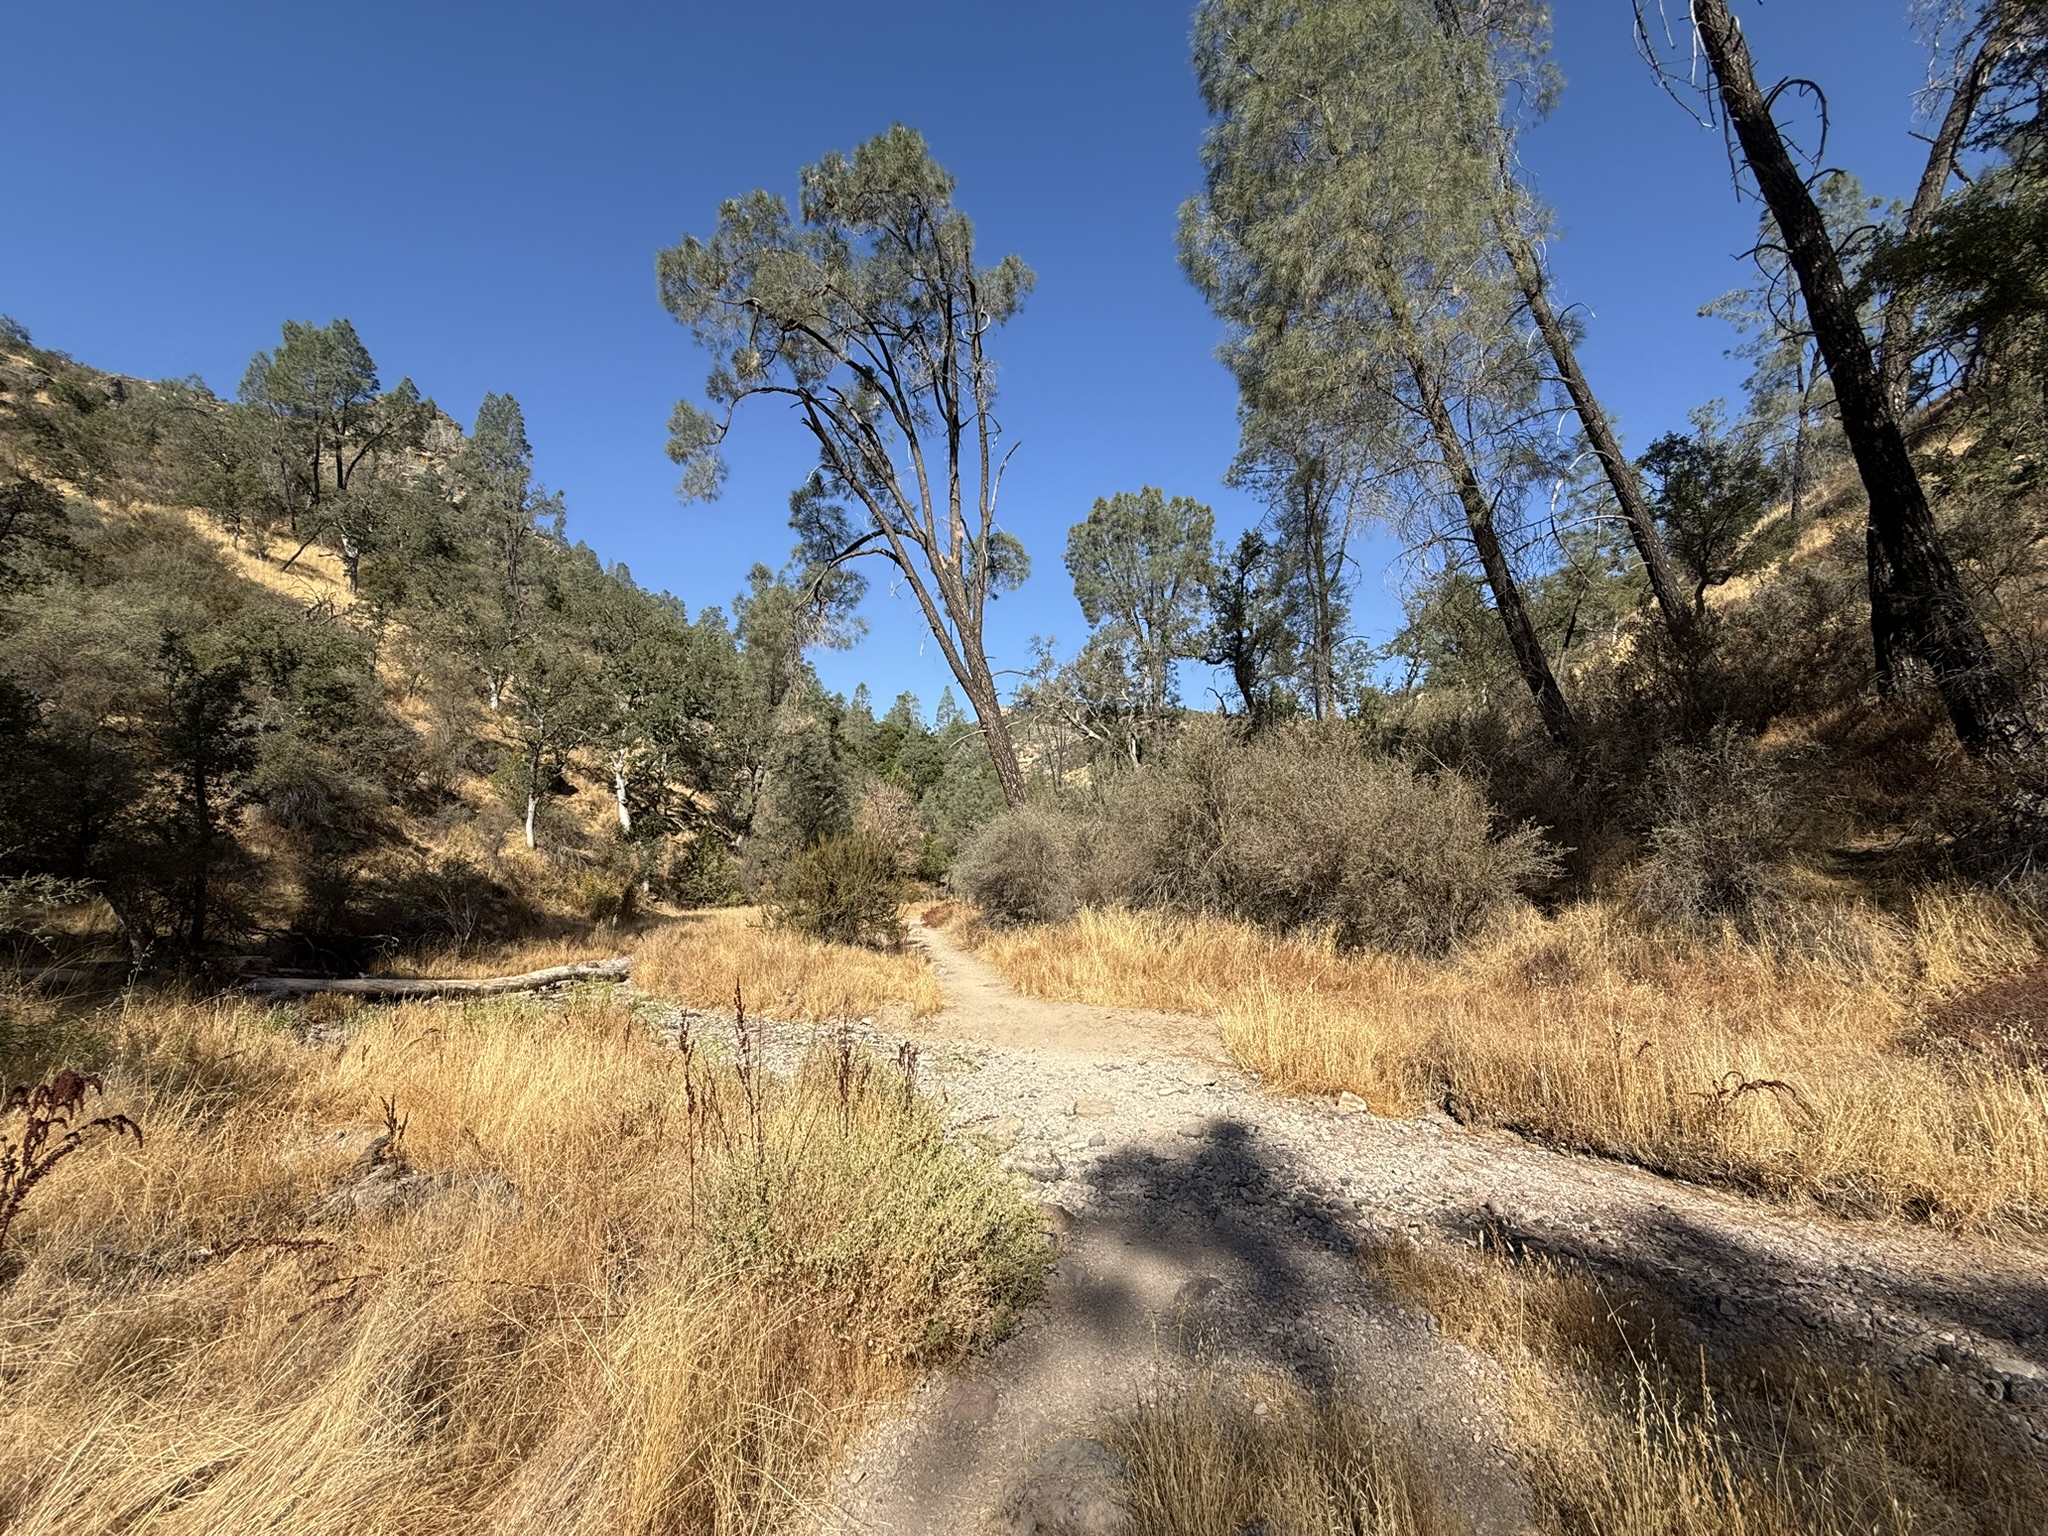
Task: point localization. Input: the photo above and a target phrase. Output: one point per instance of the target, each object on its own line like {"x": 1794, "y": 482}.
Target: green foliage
{"x": 325, "y": 432}
{"x": 870, "y": 315}
{"x": 1710, "y": 490}
{"x": 1140, "y": 565}
{"x": 1348, "y": 234}
{"x": 1248, "y": 633}
{"x": 32, "y": 527}
{"x": 1299, "y": 829}
{"x": 704, "y": 874}
{"x": 279, "y": 766}
{"x": 845, "y": 889}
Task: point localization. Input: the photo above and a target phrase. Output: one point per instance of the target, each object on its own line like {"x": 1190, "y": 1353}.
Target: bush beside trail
{"x": 1298, "y": 829}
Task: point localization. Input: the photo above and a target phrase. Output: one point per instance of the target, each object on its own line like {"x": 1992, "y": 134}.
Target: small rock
{"x": 1349, "y": 1104}
{"x": 1093, "y": 1109}
{"x": 1199, "y": 1077}
{"x": 1072, "y": 1490}
{"x": 1097, "y": 1139}
{"x": 391, "y": 1187}
{"x": 1040, "y": 1163}
{"x": 1725, "y": 1307}
{"x": 970, "y": 1402}
{"x": 997, "y": 1135}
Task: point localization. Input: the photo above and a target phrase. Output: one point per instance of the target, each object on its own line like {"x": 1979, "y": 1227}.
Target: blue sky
{"x": 482, "y": 188}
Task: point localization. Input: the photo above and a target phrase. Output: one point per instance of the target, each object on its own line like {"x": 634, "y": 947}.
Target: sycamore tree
{"x": 1344, "y": 233}
{"x": 869, "y": 315}
{"x": 1140, "y": 565}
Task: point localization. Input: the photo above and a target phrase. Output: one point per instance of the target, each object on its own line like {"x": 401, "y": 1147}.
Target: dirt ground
{"x": 1204, "y": 1223}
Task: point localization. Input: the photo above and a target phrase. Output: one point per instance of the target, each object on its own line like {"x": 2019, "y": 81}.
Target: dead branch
{"x": 388, "y": 988}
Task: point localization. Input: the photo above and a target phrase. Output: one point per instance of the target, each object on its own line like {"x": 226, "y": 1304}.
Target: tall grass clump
{"x": 1626, "y": 1424}
{"x": 1298, "y": 829}
{"x": 485, "y": 1268}
{"x": 1220, "y": 1456}
{"x": 699, "y": 959}
{"x": 1790, "y": 1063}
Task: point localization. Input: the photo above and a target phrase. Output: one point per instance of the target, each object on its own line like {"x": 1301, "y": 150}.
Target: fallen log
{"x": 392, "y": 988}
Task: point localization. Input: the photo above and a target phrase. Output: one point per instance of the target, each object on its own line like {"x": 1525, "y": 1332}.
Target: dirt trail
{"x": 1208, "y": 1222}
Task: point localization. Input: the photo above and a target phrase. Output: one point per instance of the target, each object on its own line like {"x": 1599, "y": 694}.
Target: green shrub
{"x": 1023, "y": 867}
{"x": 704, "y": 873}
{"x": 845, "y": 889}
{"x": 1299, "y": 828}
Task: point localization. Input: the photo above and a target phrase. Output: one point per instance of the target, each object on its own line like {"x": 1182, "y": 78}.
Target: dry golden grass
{"x": 1204, "y": 1460}
{"x": 643, "y": 1291}
{"x": 1786, "y": 1067}
{"x": 511, "y": 958}
{"x": 1626, "y": 1426}
{"x": 697, "y": 959}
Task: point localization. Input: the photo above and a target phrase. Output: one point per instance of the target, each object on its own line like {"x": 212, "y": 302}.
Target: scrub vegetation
{"x": 1693, "y": 817}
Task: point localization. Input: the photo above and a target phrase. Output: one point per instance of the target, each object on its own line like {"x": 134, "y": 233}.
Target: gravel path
{"x": 1204, "y": 1220}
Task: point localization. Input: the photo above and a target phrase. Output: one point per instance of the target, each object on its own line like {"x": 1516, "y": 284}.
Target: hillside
{"x": 318, "y": 673}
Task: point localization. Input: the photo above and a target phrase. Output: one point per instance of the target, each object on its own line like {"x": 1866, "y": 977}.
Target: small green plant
{"x": 845, "y": 889}
{"x": 47, "y": 1135}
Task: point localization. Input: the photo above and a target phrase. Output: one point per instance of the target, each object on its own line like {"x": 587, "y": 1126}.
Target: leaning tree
{"x": 870, "y": 316}
{"x": 1917, "y": 601}
{"x": 1344, "y": 233}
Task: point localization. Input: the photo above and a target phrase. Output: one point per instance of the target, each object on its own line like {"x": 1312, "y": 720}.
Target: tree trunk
{"x": 1558, "y": 720}
{"x": 1915, "y": 593}
{"x": 202, "y": 858}
{"x": 619, "y": 793}
{"x": 979, "y": 684}
{"x": 532, "y": 804}
{"x": 1895, "y": 355}
{"x": 1621, "y": 475}
{"x": 387, "y": 988}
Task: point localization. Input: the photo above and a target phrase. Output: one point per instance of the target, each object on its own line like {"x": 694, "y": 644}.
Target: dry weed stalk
{"x": 1628, "y": 1423}
{"x": 1231, "y": 1454}
{"x": 46, "y": 1135}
